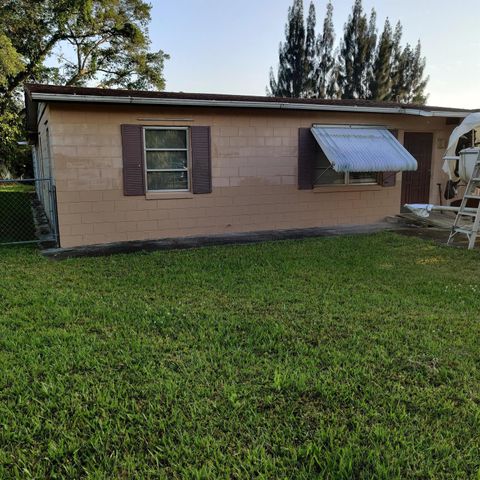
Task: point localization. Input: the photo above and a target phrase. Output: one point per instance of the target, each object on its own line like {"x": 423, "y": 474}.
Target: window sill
{"x": 167, "y": 195}
{"x": 346, "y": 188}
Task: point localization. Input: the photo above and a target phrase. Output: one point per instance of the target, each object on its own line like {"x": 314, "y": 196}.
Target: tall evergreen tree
{"x": 346, "y": 56}
{"x": 399, "y": 61}
{"x": 416, "y": 81}
{"x": 381, "y": 83}
{"x": 310, "y": 61}
{"x": 357, "y": 69}
{"x": 368, "y": 44}
{"x": 408, "y": 83}
{"x": 290, "y": 77}
{"x": 326, "y": 60}
{"x": 356, "y": 53}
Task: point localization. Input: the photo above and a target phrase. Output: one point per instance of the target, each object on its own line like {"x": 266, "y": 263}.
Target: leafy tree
{"x": 326, "y": 60}
{"x": 11, "y": 130}
{"x": 109, "y": 39}
{"x": 10, "y": 61}
{"x": 290, "y": 79}
{"x": 106, "y": 42}
{"x": 14, "y": 158}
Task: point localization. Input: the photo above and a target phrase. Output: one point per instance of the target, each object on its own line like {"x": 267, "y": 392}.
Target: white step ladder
{"x": 467, "y": 221}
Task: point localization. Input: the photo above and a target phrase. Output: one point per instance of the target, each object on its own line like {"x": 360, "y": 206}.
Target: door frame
{"x": 424, "y": 187}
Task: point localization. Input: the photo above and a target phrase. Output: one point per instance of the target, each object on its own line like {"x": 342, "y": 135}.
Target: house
{"x": 134, "y": 165}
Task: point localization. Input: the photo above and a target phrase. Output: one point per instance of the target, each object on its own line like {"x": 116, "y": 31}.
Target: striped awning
{"x": 359, "y": 148}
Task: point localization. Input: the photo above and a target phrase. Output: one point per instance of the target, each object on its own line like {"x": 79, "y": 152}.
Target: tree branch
{"x": 81, "y": 72}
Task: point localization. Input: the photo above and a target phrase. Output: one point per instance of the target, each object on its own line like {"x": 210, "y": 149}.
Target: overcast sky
{"x": 228, "y": 46}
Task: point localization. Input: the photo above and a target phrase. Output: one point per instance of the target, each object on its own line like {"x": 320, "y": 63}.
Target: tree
{"x": 416, "y": 81}
{"x": 381, "y": 81}
{"x": 109, "y": 39}
{"x": 368, "y": 54}
{"x": 398, "y": 88}
{"x": 356, "y": 54}
{"x": 358, "y": 68}
{"x": 408, "y": 83}
{"x": 11, "y": 130}
{"x": 326, "y": 60}
{"x": 290, "y": 79}
{"x": 310, "y": 68}
{"x": 10, "y": 60}
{"x": 106, "y": 42}
{"x": 14, "y": 158}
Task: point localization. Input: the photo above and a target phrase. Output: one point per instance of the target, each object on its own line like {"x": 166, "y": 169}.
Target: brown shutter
{"x": 133, "y": 162}
{"x": 201, "y": 160}
{"x": 387, "y": 179}
{"x": 307, "y": 151}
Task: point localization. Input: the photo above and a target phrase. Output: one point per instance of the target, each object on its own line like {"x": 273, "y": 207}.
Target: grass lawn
{"x": 336, "y": 358}
{"x": 16, "y": 219}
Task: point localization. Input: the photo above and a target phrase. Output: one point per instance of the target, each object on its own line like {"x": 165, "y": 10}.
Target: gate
{"x": 28, "y": 211}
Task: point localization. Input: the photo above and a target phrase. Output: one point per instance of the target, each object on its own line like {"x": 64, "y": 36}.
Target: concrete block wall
{"x": 254, "y": 175}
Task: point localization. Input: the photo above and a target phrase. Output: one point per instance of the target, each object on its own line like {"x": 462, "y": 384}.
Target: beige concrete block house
{"x": 135, "y": 165}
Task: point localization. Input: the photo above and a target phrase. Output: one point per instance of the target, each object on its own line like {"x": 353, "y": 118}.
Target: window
{"x": 167, "y": 159}
{"x": 326, "y": 175}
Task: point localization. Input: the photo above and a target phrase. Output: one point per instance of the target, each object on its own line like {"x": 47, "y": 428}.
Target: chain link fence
{"x": 27, "y": 211}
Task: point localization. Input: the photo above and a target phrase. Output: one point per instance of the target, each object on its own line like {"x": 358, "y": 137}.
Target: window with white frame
{"x": 325, "y": 174}
{"x": 167, "y": 162}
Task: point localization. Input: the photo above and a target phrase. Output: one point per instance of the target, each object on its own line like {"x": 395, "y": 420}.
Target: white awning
{"x": 359, "y": 148}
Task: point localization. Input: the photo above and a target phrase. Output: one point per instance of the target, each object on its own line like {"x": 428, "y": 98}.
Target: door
{"x": 416, "y": 185}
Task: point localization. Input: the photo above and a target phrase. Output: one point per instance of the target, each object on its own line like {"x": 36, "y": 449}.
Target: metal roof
{"x": 52, "y": 92}
{"x": 37, "y": 93}
{"x": 363, "y": 149}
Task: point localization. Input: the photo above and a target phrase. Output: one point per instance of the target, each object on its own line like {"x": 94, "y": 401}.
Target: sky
{"x": 228, "y": 46}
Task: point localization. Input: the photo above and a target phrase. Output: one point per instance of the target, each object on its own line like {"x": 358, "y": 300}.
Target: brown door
{"x": 416, "y": 185}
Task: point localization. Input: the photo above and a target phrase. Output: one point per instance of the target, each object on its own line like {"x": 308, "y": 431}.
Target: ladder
{"x": 467, "y": 221}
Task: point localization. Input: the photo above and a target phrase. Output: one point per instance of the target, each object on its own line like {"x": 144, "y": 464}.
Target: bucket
{"x": 468, "y": 158}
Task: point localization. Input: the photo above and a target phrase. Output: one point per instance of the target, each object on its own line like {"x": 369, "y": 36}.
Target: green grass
{"x": 16, "y": 219}
{"x": 337, "y": 358}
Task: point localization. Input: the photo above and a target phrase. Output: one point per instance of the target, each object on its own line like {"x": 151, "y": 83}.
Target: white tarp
{"x": 420, "y": 209}
{"x": 470, "y": 122}
{"x": 358, "y": 148}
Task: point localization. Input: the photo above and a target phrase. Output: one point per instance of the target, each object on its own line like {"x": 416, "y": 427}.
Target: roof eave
{"x": 184, "y": 102}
